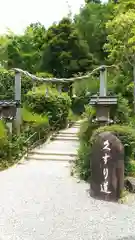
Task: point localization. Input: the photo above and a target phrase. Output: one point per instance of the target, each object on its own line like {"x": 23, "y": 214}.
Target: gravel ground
{"x": 41, "y": 201}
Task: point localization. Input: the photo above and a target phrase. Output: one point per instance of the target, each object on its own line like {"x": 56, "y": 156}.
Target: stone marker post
{"x": 103, "y": 82}
{"x": 18, "y": 99}
{"x": 59, "y": 87}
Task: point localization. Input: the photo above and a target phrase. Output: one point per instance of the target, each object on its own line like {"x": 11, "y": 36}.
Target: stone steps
{"x": 68, "y": 134}
{"x": 58, "y": 153}
{"x": 65, "y": 138}
{"x": 49, "y": 157}
{"x": 62, "y": 147}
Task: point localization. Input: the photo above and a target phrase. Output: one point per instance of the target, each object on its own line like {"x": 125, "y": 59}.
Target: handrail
{"x": 30, "y": 137}
{"x": 51, "y": 128}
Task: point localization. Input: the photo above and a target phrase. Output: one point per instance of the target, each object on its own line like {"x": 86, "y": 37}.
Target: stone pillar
{"x": 71, "y": 90}
{"x": 47, "y": 91}
{"x": 59, "y": 87}
{"x": 103, "y": 82}
{"x": 18, "y": 99}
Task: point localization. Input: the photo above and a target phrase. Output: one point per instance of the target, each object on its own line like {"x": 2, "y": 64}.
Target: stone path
{"x": 40, "y": 201}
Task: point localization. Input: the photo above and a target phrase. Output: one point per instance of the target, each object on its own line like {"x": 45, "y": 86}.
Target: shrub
{"x": 44, "y": 75}
{"x": 7, "y": 80}
{"x": 3, "y": 131}
{"x": 72, "y": 117}
{"x": 123, "y": 111}
{"x": 84, "y": 89}
{"x": 13, "y": 147}
{"x": 88, "y": 135}
{"x": 31, "y": 117}
{"x": 131, "y": 168}
{"x": 56, "y": 106}
{"x": 86, "y": 130}
{"x": 127, "y": 136}
{"x": 78, "y": 104}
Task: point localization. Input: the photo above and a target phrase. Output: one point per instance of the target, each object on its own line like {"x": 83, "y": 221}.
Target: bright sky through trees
{"x": 17, "y": 14}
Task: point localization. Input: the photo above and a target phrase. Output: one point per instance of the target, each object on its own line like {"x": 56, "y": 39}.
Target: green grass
{"x": 73, "y": 117}
{"x": 28, "y": 116}
{"x": 3, "y": 132}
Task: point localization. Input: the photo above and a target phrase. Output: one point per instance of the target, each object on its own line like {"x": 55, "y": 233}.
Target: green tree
{"x": 65, "y": 53}
{"x": 121, "y": 40}
{"x": 3, "y": 50}
{"x": 36, "y": 31}
{"x": 91, "y": 25}
{"x": 24, "y": 51}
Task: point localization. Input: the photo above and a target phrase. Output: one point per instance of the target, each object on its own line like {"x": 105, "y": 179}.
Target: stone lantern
{"x": 103, "y": 103}
{"x": 8, "y": 111}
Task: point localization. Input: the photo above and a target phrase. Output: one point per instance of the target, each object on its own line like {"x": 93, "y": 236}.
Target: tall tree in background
{"x": 24, "y": 51}
{"x": 91, "y": 25}
{"x": 37, "y": 32}
{"x": 65, "y": 53}
{"x": 121, "y": 39}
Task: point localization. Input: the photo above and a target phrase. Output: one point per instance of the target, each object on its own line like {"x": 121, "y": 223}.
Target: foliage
{"x": 65, "y": 53}
{"x": 89, "y": 85}
{"x": 90, "y": 23}
{"x": 127, "y": 136}
{"x": 78, "y": 104}
{"x": 13, "y": 148}
{"x": 23, "y": 51}
{"x": 31, "y": 117}
{"x": 54, "y": 105}
{"x": 3, "y": 132}
{"x": 83, "y": 91}
{"x": 89, "y": 135}
{"x": 72, "y": 117}
{"x": 131, "y": 168}
{"x": 123, "y": 112}
{"x": 7, "y": 79}
{"x": 121, "y": 37}
{"x": 86, "y": 130}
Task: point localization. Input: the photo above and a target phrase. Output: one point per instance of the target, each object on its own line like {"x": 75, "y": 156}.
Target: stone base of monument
{"x": 102, "y": 196}
{"x": 130, "y": 184}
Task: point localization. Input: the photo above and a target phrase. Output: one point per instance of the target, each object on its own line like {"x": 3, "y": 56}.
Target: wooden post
{"x": 18, "y": 98}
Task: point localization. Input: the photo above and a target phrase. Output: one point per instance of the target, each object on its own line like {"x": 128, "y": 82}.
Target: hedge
{"x": 125, "y": 133}
{"x": 56, "y": 106}
{"x": 12, "y": 147}
{"x": 127, "y": 136}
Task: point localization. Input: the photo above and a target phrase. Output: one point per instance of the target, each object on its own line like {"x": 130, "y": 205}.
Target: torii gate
{"x": 58, "y": 82}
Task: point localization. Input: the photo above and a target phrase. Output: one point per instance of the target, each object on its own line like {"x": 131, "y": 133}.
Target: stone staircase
{"x": 62, "y": 146}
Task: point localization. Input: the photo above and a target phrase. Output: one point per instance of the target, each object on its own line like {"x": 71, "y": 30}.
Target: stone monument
{"x": 107, "y": 166}
{"x": 8, "y": 112}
